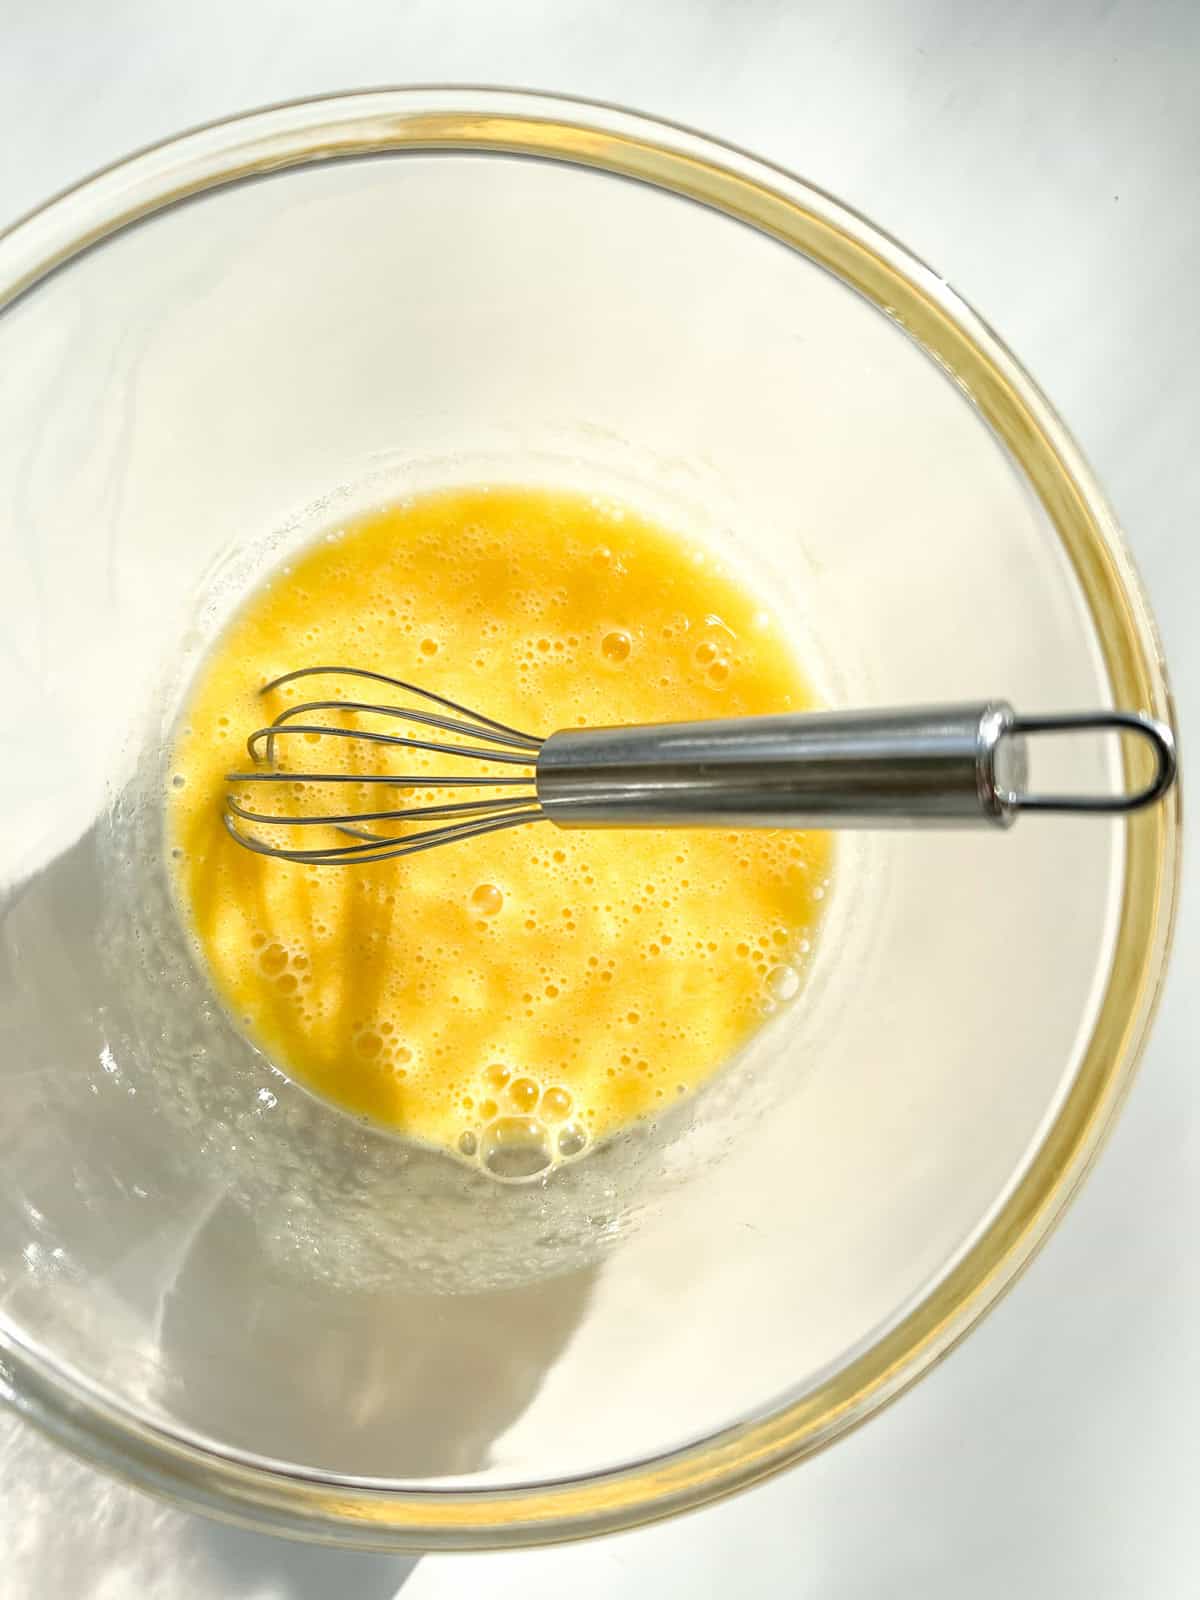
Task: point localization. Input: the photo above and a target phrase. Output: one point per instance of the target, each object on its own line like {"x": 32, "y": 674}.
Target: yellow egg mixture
{"x": 549, "y": 981}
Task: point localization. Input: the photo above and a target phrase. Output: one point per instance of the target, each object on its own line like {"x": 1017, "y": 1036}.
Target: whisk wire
{"x": 267, "y": 737}
{"x": 405, "y": 814}
{"x": 400, "y": 780}
{"x": 408, "y": 688}
{"x": 522, "y": 742}
{"x": 371, "y": 850}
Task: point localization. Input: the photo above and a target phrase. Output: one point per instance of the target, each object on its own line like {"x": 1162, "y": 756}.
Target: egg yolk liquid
{"x": 539, "y": 982}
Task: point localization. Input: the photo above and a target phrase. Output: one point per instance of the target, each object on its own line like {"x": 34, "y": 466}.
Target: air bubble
{"x": 615, "y": 646}
{"x": 783, "y": 982}
{"x": 487, "y": 899}
{"x": 556, "y": 1104}
{"x": 571, "y": 1140}
{"x": 273, "y": 960}
{"x": 515, "y": 1148}
{"x": 468, "y": 1144}
{"x": 523, "y": 1093}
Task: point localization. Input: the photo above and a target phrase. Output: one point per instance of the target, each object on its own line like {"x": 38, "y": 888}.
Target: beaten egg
{"x": 533, "y": 990}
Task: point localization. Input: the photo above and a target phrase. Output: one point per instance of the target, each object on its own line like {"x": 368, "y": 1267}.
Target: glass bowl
{"x": 235, "y": 1296}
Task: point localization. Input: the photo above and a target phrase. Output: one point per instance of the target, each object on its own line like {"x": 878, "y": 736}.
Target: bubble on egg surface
{"x": 515, "y": 1148}
{"x": 556, "y": 1104}
{"x": 571, "y": 1140}
{"x": 487, "y": 900}
{"x": 523, "y": 1094}
{"x": 783, "y": 982}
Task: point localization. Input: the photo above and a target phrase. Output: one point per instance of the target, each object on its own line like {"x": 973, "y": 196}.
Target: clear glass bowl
{"x": 225, "y": 1292}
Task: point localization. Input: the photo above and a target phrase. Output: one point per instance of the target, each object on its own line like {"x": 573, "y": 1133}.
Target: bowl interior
{"x": 199, "y": 1245}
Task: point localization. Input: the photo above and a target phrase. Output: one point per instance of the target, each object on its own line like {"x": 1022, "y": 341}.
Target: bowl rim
{"x": 721, "y": 177}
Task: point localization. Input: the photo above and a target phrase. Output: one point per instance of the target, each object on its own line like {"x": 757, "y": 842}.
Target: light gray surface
{"x": 1047, "y": 160}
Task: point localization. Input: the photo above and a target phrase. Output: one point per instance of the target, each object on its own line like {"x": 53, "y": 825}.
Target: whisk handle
{"x": 933, "y": 766}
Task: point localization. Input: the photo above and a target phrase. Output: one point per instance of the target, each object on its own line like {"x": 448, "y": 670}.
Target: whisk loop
{"x": 497, "y": 743}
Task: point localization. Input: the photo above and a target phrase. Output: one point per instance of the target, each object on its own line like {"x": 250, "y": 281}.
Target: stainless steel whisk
{"x": 931, "y": 766}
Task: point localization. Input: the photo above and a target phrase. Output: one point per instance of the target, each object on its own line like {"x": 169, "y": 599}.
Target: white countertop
{"x": 1047, "y": 161}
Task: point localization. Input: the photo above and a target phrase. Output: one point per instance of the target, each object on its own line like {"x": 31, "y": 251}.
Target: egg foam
{"x": 515, "y": 998}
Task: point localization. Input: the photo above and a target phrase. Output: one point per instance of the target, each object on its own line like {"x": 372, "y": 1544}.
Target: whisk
{"x": 947, "y": 765}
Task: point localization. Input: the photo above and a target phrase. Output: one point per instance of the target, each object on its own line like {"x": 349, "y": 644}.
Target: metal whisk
{"x": 931, "y": 766}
